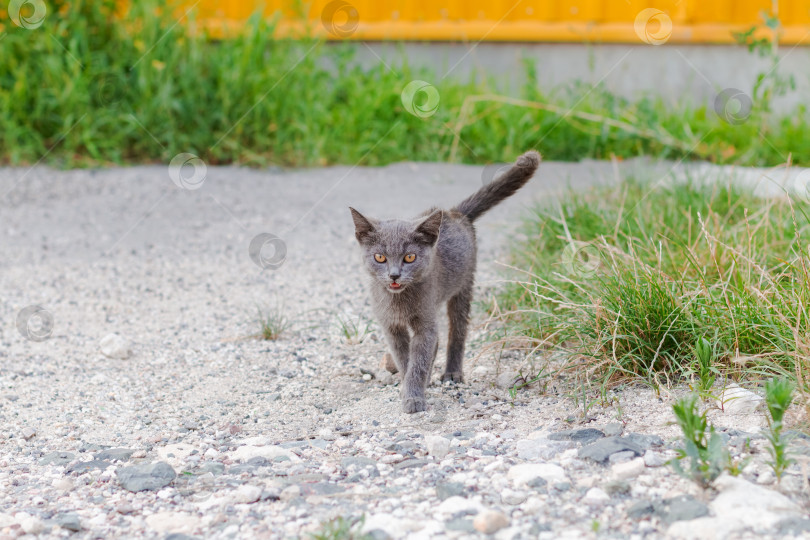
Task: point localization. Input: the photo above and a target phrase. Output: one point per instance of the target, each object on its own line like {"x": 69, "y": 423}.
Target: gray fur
{"x": 443, "y": 272}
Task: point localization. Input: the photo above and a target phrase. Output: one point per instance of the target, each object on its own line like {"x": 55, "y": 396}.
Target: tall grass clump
{"x": 106, "y": 82}
{"x": 656, "y": 268}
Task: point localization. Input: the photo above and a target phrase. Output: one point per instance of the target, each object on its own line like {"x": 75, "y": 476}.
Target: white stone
{"x": 173, "y": 522}
{"x": 258, "y": 440}
{"x": 245, "y": 453}
{"x": 456, "y": 504}
{"x": 595, "y": 497}
{"x": 437, "y": 446}
{"x": 705, "y": 528}
{"x": 533, "y": 505}
{"x": 766, "y": 478}
{"x": 211, "y": 453}
{"x": 507, "y": 379}
{"x": 115, "y": 346}
{"x": 522, "y": 474}
{"x": 6, "y": 520}
{"x": 290, "y": 492}
{"x": 628, "y": 469}
{"x": 246, "y": 494}
{"x": 539, "y": 447}
{"x": 652, "y": 459}
{"x": 390, "y": 524}
{"x": 30, "y": 524}
{"x": 511, "y": 497}
{"x": 64, "y": 484}
{"x": 754, "y": 506}
{"x": 481, "y": 371}
{"x": 737, "y": 400}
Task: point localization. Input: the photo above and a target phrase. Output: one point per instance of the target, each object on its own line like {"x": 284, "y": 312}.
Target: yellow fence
{"x": 630, "y": 21}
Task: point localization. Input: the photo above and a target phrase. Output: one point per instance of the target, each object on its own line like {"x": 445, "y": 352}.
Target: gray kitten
{"x": 416, "y": 266}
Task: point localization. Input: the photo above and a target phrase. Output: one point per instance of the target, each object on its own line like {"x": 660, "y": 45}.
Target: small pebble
{"x": 490, "y": 521}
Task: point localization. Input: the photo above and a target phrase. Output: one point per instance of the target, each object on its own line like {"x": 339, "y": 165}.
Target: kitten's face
{"x": 397, "y": 253}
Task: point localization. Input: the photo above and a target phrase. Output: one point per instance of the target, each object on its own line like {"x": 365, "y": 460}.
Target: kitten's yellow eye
{"x": 410, "y": 257}
{"x": 379, "y": 258}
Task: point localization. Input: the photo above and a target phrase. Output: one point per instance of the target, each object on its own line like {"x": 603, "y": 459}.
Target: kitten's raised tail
{"x": 503, "y": 187}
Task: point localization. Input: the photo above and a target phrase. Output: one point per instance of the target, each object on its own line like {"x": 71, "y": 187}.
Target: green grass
{"x": 341, "y": 529}
{"x": 272, "y": 323}
{"x": 778, "y": 396}
{"x": 703, "y": 456}
{"x": 655, "y": 270}
{"x": 354, "y": 329}
{"x": 89, "y": 88}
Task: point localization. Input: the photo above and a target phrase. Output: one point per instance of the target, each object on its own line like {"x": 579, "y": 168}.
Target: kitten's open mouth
{"x": 395, "y": 286}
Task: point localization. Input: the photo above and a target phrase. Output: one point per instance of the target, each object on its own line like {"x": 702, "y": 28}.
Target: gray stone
{"x": 321, "y": 488}
{"x": 69, "y": 521}
{"x": 601, "y": 450}
{"x": 378, "y": 534}
{"x": 213, "y": 467}
{"x": 680, "y": 508}
{"x": 460, "y": 524}
{"x": 361, "y": 465}
{"x": 645, "y": 441}
{"x": 242, "y": 468}
{"x": 538, "y": 527}
{"x": 359, "y": 462}
{"x": 793, "y": 526}
{"x": 640, "y": 509}
{"x": 319, "y": 443}
{"x": 538, "y": 483}
{"x": 92, "y": 447}
{"x": 84, "y": 466}
{"x": 584, "y": 436}
{"x": 446, "y": 490}
{"x": 617, "y": 487}
{"x": 115, "y": 454}
{"x": 148, "y": 477}
{"x": 613, "y": 430}
{"x": 179, "y": 536}
{"x": 411, "y": 463}
{"x": 57, "y": 458}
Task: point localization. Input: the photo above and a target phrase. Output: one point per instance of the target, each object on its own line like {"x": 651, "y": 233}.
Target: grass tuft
{"x": 664, "y": 267}
{"x": 354, "y": 330}
{"x": 341, "y": 529}
{"x": 273, "y": 323}
{"x": 703, "y": 450}
{"x": 778, "y": 396}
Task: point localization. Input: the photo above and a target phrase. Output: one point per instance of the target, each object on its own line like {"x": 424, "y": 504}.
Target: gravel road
{"x": 134, "y": 401}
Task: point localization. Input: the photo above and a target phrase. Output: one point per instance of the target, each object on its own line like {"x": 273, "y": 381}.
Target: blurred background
{"x": 102, "y": 82}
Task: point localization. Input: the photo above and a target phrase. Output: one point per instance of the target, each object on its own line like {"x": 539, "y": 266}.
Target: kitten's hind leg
{"x": 458, "y": 312}
{"x": 400, "y": 342}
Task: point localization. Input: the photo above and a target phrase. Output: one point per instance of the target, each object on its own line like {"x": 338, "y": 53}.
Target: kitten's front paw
{"x": 455, "y": 376}
{"x": 413, "y": 405}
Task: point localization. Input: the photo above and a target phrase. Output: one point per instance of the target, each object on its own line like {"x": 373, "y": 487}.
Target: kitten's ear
{"x": 428, "y": 229}
{"x": 363, "y": 227}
